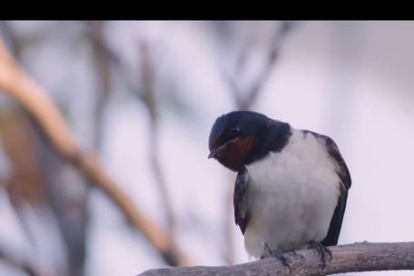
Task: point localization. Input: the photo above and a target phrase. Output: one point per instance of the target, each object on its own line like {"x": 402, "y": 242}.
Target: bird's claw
{"x": 280, "y": 256}
{"x": 293, "y": 252}
{"x": 322, "y": 251}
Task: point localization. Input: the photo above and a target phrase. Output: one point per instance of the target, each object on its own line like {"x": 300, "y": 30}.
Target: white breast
{"x": 292, "y": 196}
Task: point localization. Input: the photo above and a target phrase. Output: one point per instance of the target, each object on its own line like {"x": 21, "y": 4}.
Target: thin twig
{"x": 149, "y": 99}
{"x": 146, "y": 94}
{"x": 103, "y": 68}
{"x": 356, "y": 257}
{"x": 123, "y": 70}
{"x": 246, "y": 102}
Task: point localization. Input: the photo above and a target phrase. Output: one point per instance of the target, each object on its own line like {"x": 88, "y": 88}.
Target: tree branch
{"x": 355, "y": 257}
{"x": 16, "y": 83}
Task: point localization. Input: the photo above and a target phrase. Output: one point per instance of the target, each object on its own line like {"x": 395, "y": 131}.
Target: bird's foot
{"x": 322, "y": 251}
{"x": 279, "y": 255}
{"x": 293, "y": 252}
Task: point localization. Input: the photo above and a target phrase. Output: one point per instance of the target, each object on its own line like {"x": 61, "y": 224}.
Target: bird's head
{"x": 235, "y": 135}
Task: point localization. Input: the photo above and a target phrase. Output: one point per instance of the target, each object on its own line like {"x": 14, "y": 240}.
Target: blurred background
{"x": 143, "y": 96}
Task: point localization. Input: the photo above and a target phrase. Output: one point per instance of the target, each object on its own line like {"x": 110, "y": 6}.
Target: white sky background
{"x": 352, "y": 81}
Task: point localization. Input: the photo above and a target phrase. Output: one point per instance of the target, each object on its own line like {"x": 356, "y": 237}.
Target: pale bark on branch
{"x": 35, "y": 100}
{"x": 355, "y": 257}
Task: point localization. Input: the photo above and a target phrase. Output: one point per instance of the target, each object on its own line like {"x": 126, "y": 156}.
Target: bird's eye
{"x": 234, "y": 130}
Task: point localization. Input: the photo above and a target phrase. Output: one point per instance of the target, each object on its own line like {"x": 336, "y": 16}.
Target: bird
{"x": 291, "y": 186}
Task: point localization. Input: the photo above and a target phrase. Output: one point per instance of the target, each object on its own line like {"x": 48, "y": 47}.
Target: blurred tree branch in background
{"x": 245, "y": 97}
{"x": 27, "y": 185}
{"x": 149, "y": 99}
{"x": 58, "y": 182}
{"x": 103, "y": 67}
{"x": 111, "y": 56}
{"x": 357, "y": 257}
{"x": 17, "y": 84}
{"x": 17, "y": 264}
{"x": 146, "y": 95}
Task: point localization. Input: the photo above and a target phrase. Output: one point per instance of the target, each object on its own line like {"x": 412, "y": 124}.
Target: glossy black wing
{"x": 336, "y": 222}
{"x": 241, "y": 214}
{"x": 345, "y": 178}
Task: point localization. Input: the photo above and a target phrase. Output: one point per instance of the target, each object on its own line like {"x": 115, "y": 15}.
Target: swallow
{"x": 291, "y": 186}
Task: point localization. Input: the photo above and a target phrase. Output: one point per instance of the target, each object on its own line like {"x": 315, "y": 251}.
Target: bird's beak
{"x": 216, "y": 150}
